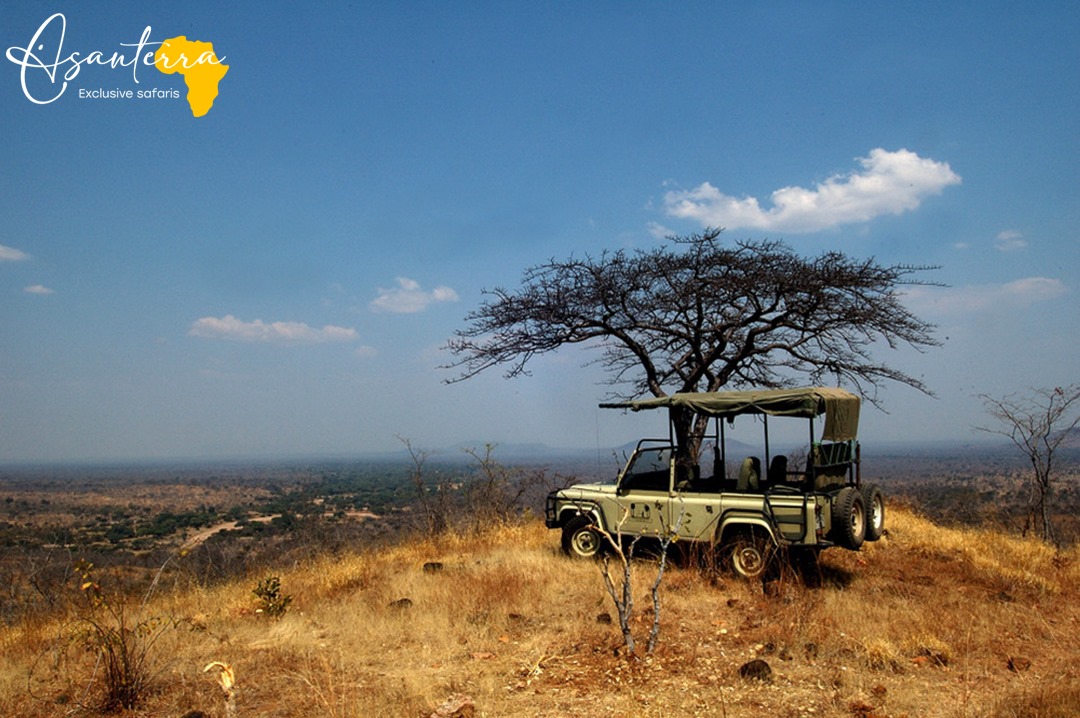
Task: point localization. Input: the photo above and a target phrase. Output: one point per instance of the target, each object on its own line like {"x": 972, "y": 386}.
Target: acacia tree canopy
{"x": 698, "y": 315}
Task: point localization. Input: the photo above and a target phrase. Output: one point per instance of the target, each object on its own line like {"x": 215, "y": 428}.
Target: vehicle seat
{"x": 749, "y": 474}
{"x": 778, "y": 471}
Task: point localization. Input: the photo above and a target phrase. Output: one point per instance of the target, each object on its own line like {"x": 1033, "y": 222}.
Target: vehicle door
{"x": 695, "y": 507}
{"x": 645, "y": 491}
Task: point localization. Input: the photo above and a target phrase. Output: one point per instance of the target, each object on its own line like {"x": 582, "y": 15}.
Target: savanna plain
{"x": 415, "y": 587}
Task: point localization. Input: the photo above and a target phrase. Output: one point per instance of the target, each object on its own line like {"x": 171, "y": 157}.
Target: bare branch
{"x": 1037, "y": 424}
{"x": 699, "y": 315}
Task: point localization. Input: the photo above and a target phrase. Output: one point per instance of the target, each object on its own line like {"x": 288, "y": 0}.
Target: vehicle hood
{"x": 585, "y": 491}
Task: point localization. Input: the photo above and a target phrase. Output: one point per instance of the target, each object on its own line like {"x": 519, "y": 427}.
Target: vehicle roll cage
{"x": 835, "y": 454}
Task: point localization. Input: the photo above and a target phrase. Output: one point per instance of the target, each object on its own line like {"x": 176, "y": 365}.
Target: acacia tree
{"x": 697, "y": 315}
{"x": 1037, "y": 424}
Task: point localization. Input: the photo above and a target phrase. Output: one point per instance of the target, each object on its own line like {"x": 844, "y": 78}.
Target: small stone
{"x": 603, "y": 618}
{"x": 401, "y": 603}
{"x": 756, "y": 670}
{"x": 433, "y": 566}
{"x": 456, "y": 706}
{"x": 860, "y": 709}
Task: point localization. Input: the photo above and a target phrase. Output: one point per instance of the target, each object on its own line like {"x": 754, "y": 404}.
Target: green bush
{"x": 272, "y": 602}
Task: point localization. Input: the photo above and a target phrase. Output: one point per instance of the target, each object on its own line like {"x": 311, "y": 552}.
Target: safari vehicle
{"x": 746, "y": 517}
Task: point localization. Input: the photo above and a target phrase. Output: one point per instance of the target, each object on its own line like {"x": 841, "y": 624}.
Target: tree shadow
{"x": 803, "y": 567}
{"x": 820, "y": 574}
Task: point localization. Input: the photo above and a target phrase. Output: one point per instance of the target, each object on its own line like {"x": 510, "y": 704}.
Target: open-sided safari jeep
{"x": 748, "y": 516}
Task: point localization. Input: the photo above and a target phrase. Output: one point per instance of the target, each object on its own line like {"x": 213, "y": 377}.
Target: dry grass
{"x": 927, "y": 622}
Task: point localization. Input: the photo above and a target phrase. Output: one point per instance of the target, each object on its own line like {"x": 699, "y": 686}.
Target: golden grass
{"x": 922, "y": 623}
{"x": 1006, "y": 559}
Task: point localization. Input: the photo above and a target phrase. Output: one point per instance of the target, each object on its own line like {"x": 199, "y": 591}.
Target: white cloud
{"x": 889, "y": 183}
{"x": 409, "y": 298}
{"x": 659, "y": 231}
{"x": 1033, "y": 289}
{"x": 37, "y": 289}
{"x": 10, "y": 254}
{"x": 365, "y": 352}
{"x": 1009, "y": 240}
{"x": 229, "y": 327}
{"x": 1020, "y": 293}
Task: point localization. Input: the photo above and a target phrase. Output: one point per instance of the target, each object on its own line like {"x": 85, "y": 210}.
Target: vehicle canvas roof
{"x": 841, "y": 407}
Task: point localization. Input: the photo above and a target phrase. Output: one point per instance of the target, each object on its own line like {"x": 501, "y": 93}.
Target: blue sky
{"x": 277, "y": 277}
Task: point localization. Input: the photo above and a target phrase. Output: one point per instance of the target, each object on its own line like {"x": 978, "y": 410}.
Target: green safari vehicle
{"x": 746, "y": 517}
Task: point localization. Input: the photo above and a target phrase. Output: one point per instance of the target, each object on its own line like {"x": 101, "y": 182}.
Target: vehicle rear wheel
{"x": 849, "y": 518}
{"x": 874, "y": 503}
{"x": 580, "y": 538}
{"x": 747, "y": 554}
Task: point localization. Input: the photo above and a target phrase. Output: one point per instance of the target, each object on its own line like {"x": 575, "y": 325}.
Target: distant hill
{"x": 1072, "y": 439}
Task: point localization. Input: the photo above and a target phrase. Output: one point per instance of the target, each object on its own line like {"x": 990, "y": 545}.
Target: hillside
{"x": 927, "y": 622}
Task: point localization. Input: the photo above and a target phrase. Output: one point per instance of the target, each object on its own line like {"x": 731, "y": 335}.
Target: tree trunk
{"x": 1044, "y": 509}
{"x": 688, "y": 437}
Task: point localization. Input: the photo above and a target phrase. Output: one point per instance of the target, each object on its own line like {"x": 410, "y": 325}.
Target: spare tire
{"x": 874, "y": 503}
{"x": 849, "y": 518}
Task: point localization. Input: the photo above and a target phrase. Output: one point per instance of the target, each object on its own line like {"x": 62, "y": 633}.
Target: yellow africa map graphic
{"x": 198, "y": 64}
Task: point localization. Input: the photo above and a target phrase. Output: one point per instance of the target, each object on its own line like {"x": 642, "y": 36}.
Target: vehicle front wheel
{"x": 580, "y": 538}
{"x": 747, "y": 554}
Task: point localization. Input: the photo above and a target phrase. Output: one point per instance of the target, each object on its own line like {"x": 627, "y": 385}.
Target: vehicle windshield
{"x": 649, "y": 470}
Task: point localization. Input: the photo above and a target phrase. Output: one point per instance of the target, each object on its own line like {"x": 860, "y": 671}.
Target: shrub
{"x": 119, "y": 641}
{"x": 272, "y": 602}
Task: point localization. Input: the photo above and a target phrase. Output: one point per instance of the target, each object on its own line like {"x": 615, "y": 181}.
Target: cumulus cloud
{"x": 10, "y": 254}
{"x": 1020, "y": 293}
{"x": 1009, "y": 240}
{"x": 408, "y": 298}
{"x": 889, "y": 183}
{"x": 229, "y": 327}
{"x": 37, "y": 289}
